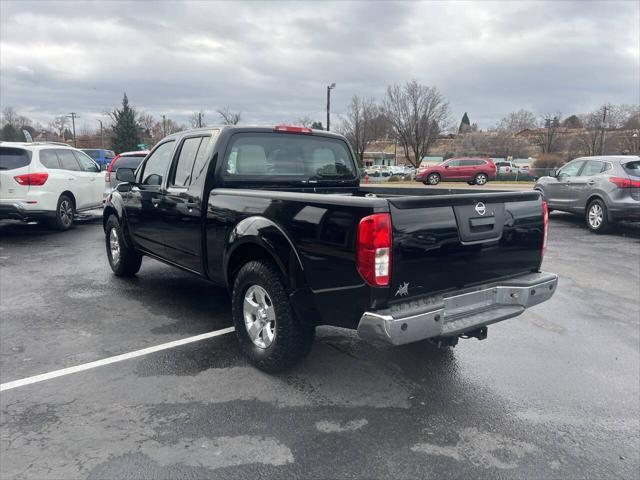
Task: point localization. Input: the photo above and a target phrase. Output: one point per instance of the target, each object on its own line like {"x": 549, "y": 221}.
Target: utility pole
{"x": 101, "y": 135}
{"x": 199, "y": 119}
{"x": 73, "y": 116}
{"x": 602, "y": 127}
{"x": 329, "y": 88}
{"x": 164, "y": 126}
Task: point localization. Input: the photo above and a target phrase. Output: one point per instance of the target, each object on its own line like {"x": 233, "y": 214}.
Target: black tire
{"x": 128, "y": 260}
{"x": 433, "y": 179}
{"x": 481, "y": 179}
{"x": 597, "y": 217}
{"x": 291, "y": 341}
{"x": 65, "y": 212}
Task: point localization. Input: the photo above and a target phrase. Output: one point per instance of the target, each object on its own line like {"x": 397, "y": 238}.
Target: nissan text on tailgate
{"x": 278, "y": 217}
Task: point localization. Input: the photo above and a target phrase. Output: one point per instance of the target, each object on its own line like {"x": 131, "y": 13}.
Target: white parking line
{"x": 109, "y": 360}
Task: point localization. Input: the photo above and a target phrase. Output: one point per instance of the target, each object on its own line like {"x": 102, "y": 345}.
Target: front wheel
{"x": 481, "y": 179}
{"x": 123, "y": 259}
{"x": 433, "y": 179}
{"x": 597, "y": 218}
{"x": 269, "y": 333}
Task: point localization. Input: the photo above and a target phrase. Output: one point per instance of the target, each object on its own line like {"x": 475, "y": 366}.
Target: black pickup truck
{"x": 278, "y": 216}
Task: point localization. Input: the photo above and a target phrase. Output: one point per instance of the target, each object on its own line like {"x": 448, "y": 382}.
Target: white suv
{"x": 47, "y": 181}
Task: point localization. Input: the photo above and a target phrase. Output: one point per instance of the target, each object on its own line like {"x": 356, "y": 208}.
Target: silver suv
{"x": 603, "y": 189}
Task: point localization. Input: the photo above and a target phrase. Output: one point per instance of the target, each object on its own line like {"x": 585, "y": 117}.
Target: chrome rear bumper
{"x": 455, "y": 313}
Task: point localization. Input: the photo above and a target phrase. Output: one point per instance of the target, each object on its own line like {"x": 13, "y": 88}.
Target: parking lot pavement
{"x": 553, "y": 393}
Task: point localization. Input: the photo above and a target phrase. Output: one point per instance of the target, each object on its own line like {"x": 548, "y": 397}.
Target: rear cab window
{"x": 288, "y": 157}
{"x": 14, "y": 158}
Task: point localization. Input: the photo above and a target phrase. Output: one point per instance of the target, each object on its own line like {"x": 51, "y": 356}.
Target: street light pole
{"x": 164, "y": 126}
{"x": 73, "y": 122}
{"x": 329, "y": 88}
{"x": 101, "y": 135}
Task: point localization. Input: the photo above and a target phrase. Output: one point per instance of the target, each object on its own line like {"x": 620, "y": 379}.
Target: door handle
{"x": 591, "y": 182}
{"x": 155, "y": 202}
{"x": 71, "y": 178}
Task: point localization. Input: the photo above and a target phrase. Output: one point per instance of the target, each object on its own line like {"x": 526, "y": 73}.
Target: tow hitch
{"x": 479, "y": 333}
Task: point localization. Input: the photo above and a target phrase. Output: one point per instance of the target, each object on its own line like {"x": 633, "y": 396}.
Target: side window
{"x": 593, "y": 167}
{"x": 202, "y": 157}
{"x": 49, "y": 159}
{"x": 571, "y": 170}
{"x": 156, "y": 165}
{"x": 86, "y": 163}
{"x": 453, "y": 163}
{"x": 186, "y": 159}
{"x": 68, "y": 160}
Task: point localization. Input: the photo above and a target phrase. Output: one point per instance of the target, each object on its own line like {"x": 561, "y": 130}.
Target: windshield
{"x": 296, "y": 157}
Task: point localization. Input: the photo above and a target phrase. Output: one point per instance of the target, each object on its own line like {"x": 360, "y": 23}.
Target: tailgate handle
{"x": 484, "y": 223}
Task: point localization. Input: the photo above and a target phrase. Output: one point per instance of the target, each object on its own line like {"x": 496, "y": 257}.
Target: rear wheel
{"x": 597, "y": 218}
{"x": 269, "y": 333}
{"x": 481, "y": 179}
{"x": 65, "y": 211}
{"x": 123, "y": 259}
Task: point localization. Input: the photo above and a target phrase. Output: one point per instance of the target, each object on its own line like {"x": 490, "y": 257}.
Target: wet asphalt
{"x": 553, "y": 393}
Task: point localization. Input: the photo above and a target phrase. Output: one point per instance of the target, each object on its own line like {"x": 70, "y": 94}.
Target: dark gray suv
{"x": 603, "y": 189}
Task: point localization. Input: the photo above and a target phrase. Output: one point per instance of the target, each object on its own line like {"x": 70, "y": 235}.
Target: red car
{"x": 473, "y": 170}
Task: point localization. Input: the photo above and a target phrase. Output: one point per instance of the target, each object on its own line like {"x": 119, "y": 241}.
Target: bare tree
{"x": 9, "y": 116}
{"x": 228, "y": 117}
{"x": 197, "y": 119}
{"x": 417, "y": 114}
{"x": 146, "y": 121}
{"x": 59, "y": 124}
{"x": 547, "y": 135}
{"x": 592, "y": 138}
{"x": 361, "y": 124}
{"x": 305, "y": 121}
{"x": 517, "y": 121}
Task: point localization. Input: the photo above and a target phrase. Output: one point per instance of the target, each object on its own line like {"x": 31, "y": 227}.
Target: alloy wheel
{"x": 596, "y": 216}
{"x": 259, "y": 316}
{"x": 65, "y": 213}
{"x": 114, "y": 246}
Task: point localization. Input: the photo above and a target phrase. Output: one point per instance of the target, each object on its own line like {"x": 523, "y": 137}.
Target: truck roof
{"x": 253, "y": 129}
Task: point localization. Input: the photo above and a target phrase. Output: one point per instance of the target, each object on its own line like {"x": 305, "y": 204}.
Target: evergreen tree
{"x": 317, "y": 125}
{"x": 10, "y": 134}
{"x": 125, "y": 136}
{"x": 465, "y": 124}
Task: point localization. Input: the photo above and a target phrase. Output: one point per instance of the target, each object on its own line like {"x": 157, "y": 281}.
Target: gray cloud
{"x": 272, "y": 61}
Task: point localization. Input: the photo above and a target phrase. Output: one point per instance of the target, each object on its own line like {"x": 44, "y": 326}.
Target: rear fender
{"x": 259, "y": 237}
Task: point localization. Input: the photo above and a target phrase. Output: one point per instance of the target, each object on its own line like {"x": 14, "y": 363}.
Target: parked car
{"x": 50, "y": 182}
{"x": 123, "y": 160}
{"x": 277, "y": 216}
{"x": 604, "y": 189}
{"x": 506, "y": 167}
{"x": 101, "y": 156}
{"x": 474, "y": 171}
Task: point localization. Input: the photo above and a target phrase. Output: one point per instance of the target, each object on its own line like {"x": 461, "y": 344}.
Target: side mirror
{"x": 446, "y": 166}
{"x": 127, "y": 175}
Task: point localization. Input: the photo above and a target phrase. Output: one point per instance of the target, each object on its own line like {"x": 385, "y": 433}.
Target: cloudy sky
{"x": 272, "y": 61}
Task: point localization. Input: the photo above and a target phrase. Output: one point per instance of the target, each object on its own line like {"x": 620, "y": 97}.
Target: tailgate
{"x": 449, "y": 242}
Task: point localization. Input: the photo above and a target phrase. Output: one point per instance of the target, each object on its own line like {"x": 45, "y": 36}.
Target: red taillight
{"x": 374, "y": 249}
{"x": 625, "y": 182}
{"x": 545, "y": 216}
{"x": 107, "y": 175}
{"x": 292, "y": 129}
{"x": 32, "y": 178}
